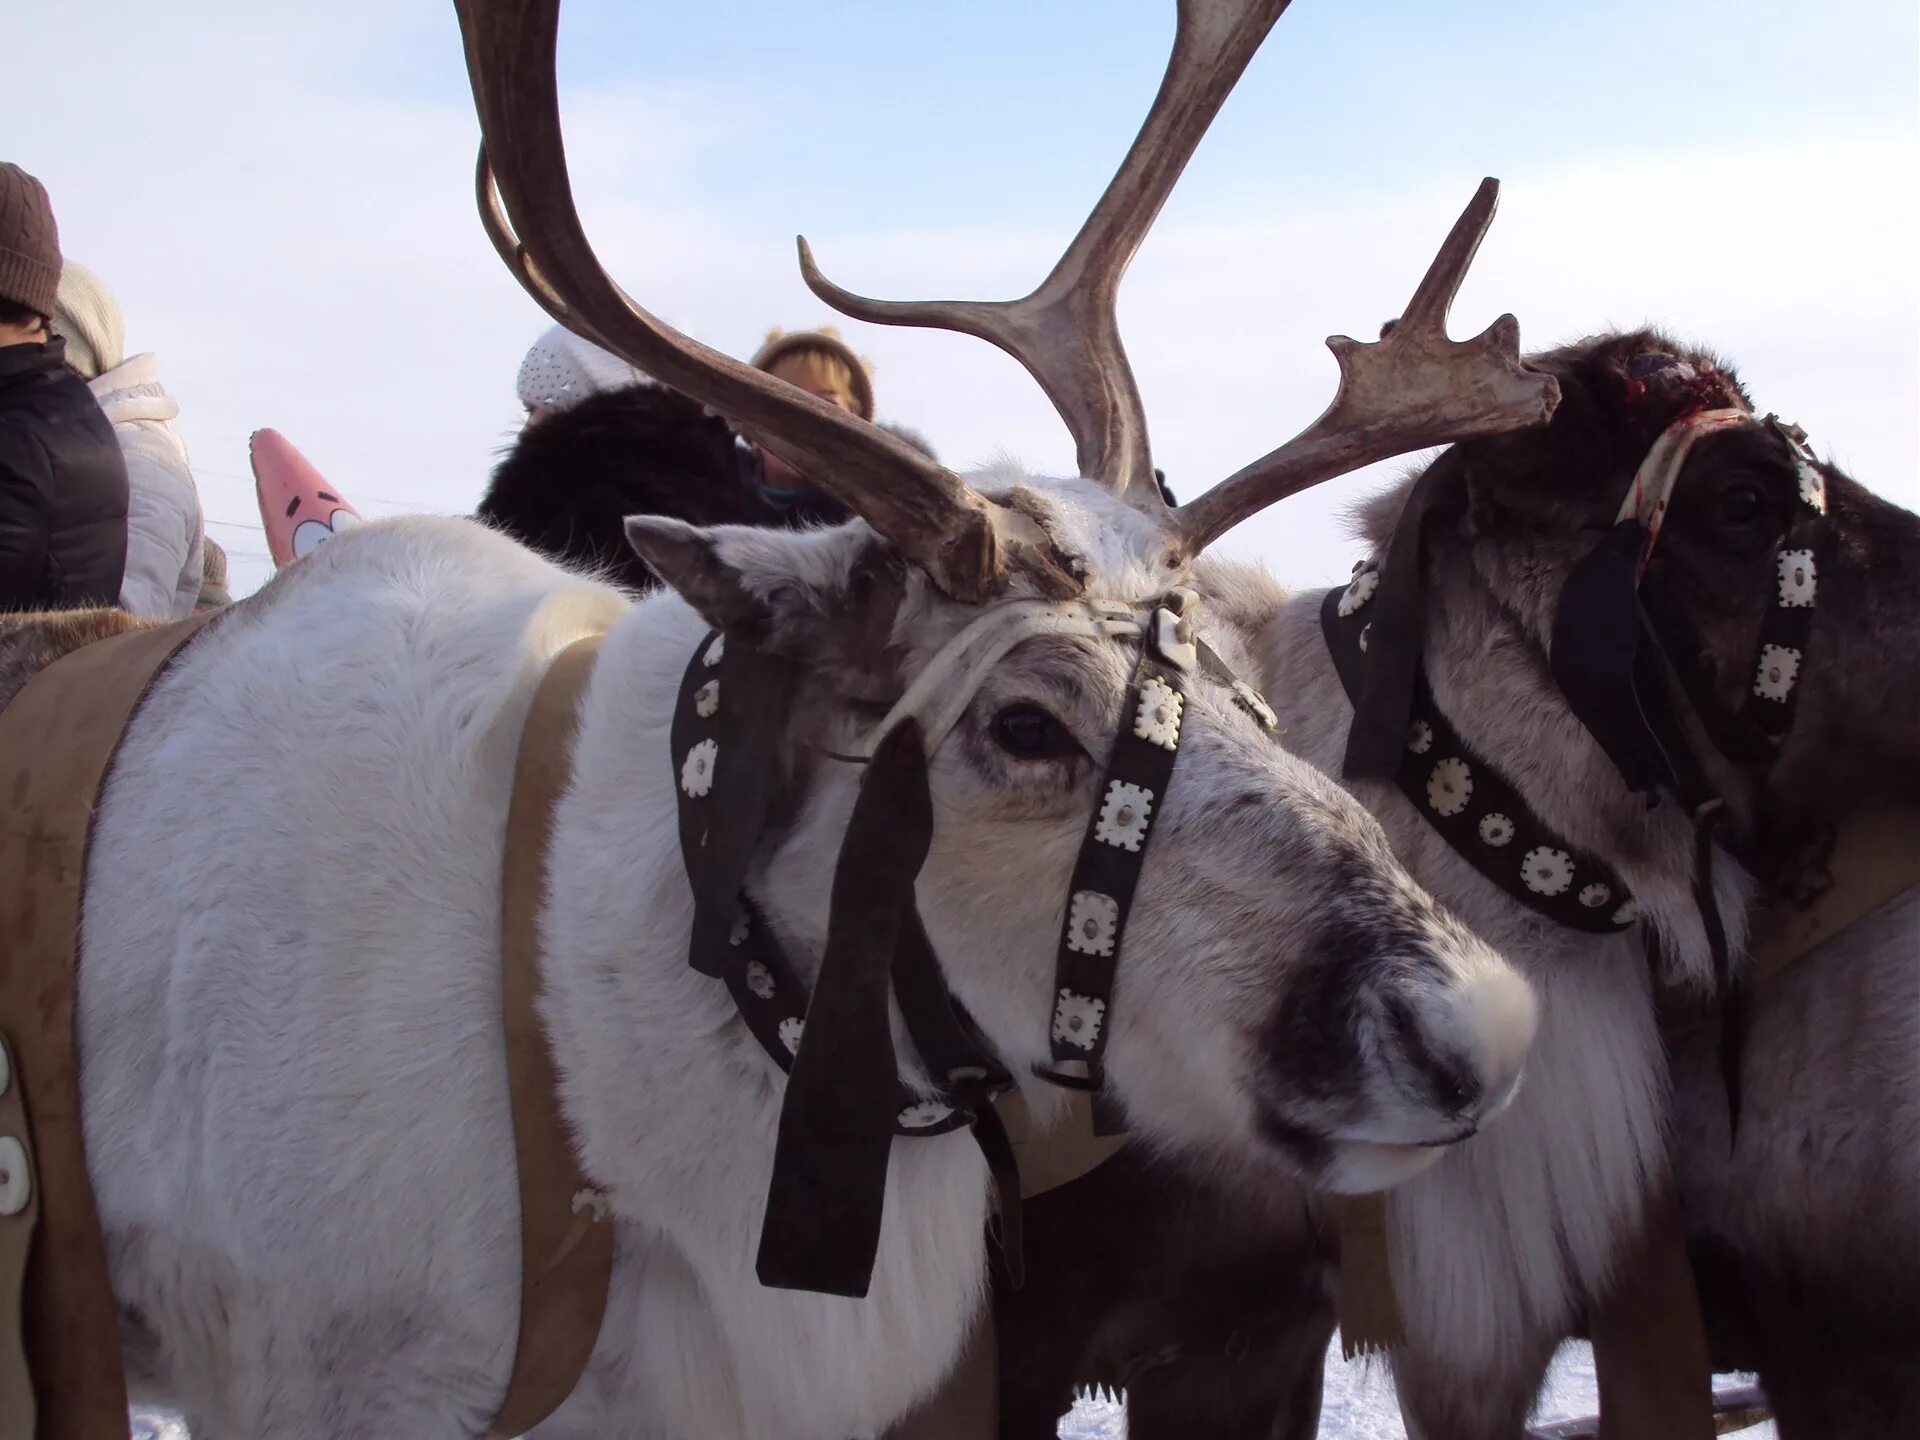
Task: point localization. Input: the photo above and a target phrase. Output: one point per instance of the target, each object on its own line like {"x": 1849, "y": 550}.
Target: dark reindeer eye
{"x": 1741, "y": 504}
{"x": 1027, "y": 732}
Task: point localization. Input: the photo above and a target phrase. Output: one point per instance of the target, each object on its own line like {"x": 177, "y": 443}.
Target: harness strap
{"x": 1477, "y": 810}
{"x": 59, "y": 736}
{"x": 566, "y": 1235}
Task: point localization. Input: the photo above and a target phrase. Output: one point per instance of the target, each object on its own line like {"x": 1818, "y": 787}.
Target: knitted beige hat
{"x": 781, "y": 343}
{"x": 29, "y": 242}
{"x": 87, "y": 315}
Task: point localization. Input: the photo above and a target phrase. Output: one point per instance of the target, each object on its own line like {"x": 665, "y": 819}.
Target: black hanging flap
{"x": 1595, "y": 657}
{"x": 822, "y": 1225}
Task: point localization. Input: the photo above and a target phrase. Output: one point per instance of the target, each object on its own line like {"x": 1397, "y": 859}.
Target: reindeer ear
{"x": 687, "y": 559}
{"x": 828, "y": 596}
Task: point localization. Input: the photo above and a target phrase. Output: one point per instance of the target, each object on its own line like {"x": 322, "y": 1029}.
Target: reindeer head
{"x": 1719, "y": 574}
{"x": 1284, "y": 982}
{"x": 1284, "y": 986}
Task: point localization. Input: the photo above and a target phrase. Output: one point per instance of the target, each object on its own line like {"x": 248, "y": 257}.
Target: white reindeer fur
{"x": 1494, "y": 1247}
{"x": 294, "y": 1095}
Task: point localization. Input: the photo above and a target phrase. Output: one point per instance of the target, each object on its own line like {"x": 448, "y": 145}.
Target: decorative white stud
{"x": 790, "y": 1031}
{"x": 1123, "y": 816}
{"x": 1077, "y": 1019}
{"x": 706, "y": 700}
{"x": 1627, "y": 912}
{"x": 1547, "y": 871}
{"x": 16, "y": 1184}
{"x": 1596, "y": 895}
{"x": 1813, "y": 485}
{"x": 716, "y": 652}
{"x": 1779, "y": 667}
{"x": 1450, "y": 786}
{"x": 696, "y": 771}
{"x": 1496, "y": 829}
{"x": 1093, "y": 923}
{"x": 1797, "y": 579}
{"x": 1359, "y": 591}
{"x": 759, "y": 979}
{"x": 742, "y": 926}
{"x": 1419, "y": 737}
{"x": 1365, "y": 630}
{"x": 924, "y": 1112}
{"x": 1157, "y": 721}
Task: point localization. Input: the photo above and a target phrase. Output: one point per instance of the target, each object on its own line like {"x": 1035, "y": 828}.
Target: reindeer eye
{"x": 1027, "y": 732}
{"x": 1741, "y": 504}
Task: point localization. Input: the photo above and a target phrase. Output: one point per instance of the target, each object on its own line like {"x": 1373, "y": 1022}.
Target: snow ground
{"x": 1358, "y": 1405}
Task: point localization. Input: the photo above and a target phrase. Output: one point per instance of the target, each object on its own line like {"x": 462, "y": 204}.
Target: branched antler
{"x": 1408, "y": 390}
{"x": 1066, "y": 332}
{"x": 1411, "y": 389}
{"x": 966, "y": 542}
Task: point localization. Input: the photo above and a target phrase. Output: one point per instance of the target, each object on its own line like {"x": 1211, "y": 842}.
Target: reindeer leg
{"x": 1264, "y": 1391}
{"x": 1649, "y": 1342}
{"x": 1444, "y": 1402}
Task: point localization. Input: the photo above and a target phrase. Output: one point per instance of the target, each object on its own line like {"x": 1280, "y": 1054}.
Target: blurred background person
{"x": 560, "y": 370}
{"x": 166, "y": 531}
{"x": 63, "y": 481}
{"x": 820, "y": 363}
{"x": 213, "y": 579}
{"x": 604, "y": 441}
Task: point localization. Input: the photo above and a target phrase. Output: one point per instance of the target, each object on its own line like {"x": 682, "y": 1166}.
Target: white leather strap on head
{"x": 1652, "y": 489}
{"x": 940, "y": 694}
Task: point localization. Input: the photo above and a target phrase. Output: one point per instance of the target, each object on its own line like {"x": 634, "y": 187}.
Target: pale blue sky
{"x": 281, "y": 197}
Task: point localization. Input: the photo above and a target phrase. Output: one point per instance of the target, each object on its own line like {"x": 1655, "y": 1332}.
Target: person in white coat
{"x": 165, "y": 527}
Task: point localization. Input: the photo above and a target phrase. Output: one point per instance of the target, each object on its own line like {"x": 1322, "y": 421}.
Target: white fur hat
{"x": 87, "y": 315}
{"x": 561, "y": 370}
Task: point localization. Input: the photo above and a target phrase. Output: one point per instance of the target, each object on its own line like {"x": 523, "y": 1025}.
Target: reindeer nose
{"x": 1461, "y": 1050}
{"x": 1440, "y": 1065}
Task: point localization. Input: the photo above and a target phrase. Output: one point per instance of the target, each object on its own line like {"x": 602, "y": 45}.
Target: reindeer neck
{"x": 1491, "y": 682}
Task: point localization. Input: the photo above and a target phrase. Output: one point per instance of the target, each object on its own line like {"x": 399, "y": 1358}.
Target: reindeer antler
{"x": 1410, "y": 389}
{"x": 1066, "y": 332}
{"x": 966, "y": 542}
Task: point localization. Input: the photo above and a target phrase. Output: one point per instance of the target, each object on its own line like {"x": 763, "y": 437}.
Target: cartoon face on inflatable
{"x": 297, "y": 507}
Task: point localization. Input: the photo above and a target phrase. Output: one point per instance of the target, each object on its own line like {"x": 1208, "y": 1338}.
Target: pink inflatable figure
{"x": 297, "y": 506}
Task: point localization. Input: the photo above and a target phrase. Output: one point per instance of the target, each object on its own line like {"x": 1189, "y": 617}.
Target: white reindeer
{"x": 293, "y": 1081}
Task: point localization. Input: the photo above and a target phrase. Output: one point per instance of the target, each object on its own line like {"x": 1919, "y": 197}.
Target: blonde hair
{"x": 819, "y": 360}
{"x": 813, "y": 368}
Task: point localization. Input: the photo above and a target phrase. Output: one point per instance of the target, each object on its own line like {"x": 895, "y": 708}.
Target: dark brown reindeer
{"x": 1801, "y": 1229}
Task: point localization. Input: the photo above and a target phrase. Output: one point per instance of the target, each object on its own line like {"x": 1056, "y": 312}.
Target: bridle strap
{"x": 1133, "y": 792}
{"x": 1463, "y": 796}
{"x": 1651, "y": 493}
